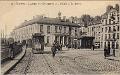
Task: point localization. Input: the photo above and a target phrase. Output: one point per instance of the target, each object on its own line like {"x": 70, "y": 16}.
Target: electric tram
{"x": 37, "y": 43}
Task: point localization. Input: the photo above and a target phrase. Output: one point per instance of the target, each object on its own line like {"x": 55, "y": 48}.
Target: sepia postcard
{"x": 53, "y": 37}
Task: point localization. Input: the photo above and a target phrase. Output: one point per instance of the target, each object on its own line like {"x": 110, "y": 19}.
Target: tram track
{"x": 49, "y": 65}
{"x": 28, "y": 63}
{"x": 23, "y": 65}
{"x": 64, "y": 64}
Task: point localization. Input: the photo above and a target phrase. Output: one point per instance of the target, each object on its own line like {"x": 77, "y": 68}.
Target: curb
{"x": 12, "y": 63}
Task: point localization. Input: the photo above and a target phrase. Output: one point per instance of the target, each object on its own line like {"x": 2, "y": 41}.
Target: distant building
{"x": 95, "y": 31}
{"x": 3, "y": 35}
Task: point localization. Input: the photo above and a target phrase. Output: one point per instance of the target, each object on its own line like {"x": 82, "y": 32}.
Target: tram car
{"x": 37, "y": 44}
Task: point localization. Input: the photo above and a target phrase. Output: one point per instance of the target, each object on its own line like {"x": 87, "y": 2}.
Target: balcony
{"x": 62, "y": 34}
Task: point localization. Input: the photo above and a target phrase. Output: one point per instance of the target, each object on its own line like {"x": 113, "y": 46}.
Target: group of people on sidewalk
{"x": 106, "y": 51}
{"x": 15, "y": 48}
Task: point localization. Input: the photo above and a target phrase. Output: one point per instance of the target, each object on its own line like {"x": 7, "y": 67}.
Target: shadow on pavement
{"x": 112, "y": 59}
{"x": 47, "y": 52}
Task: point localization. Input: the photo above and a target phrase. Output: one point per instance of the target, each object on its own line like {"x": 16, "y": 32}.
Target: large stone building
{"x": 111, "y": 28}
{"x": 72, "y": 31}
{"x": 107, "y": 32}
{"x": 52, "y": 29}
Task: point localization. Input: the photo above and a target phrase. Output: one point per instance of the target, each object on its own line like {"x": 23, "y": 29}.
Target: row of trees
{"x": 88, "y": 20}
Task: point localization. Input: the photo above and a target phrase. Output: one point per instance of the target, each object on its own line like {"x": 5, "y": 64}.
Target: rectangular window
{"x": 118, "y": 19}
{"x": 41, "y": 28}
{"x": 113, "y": 44}
{"x": 56, "y": 28}
{"x": 109, "y": 29}
{"x": 109, "y": 21}
{"x": 105, "y": 29}
{"x": 64, "y": 29}
{"x": 48, "y": 39}
{"x": 105, "y": 36}
{"x": 60, "y": 28}
{"x": 104, "y": 44}
{"x": 108, "y": 36}
{"x": 106, "y": 22}
{"x": 102, "y": 29}
{"x": 117, "y": 35}
{"x": 48, "y": 29}
{"x": 114, "y": 35}
{"x": 114, "y": 28}
{"x": 102, "y": 37}
{"x": 118, "y": 28}
{"x": 92, "y": 29}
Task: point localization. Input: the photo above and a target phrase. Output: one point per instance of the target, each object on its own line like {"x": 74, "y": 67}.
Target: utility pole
{"x": 5, "y": 33}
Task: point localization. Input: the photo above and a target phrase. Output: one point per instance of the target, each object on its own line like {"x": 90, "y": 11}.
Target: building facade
{"x": 95, "y": 31}
{"x": 107, "y": 32}
{"x": 111, "y": 28}
{"x": 53, "y": 29}
{"x": 103, "y": 32}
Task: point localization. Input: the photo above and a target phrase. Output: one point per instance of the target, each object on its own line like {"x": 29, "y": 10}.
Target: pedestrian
{"x": 113, "y": 50}
{"x": 53, "y": 49}
{"x": 105, "y": 52}
{"x": 108, "y": 50}
{"x": 12, "y": 49}
{"x": 93, "y": 47}
{"x": 61, "y": 47}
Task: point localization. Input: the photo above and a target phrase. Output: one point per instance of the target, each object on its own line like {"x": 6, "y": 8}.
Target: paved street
{"x": 66, "y": 62}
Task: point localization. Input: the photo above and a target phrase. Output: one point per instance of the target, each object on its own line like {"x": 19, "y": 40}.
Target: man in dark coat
{"x": 12, "y": 49}
{"x": 54, "y": 48}
{"x": 105, "y": 52}
{"x": 93, "y": 47}
{"x": 108, "y": 50}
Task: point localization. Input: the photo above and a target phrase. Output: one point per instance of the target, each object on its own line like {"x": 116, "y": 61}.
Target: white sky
{"x": 14, "y": 15}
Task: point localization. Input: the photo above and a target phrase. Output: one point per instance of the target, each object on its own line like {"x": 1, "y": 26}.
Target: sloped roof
{"x": 105, "y": 15}
{"x": 46, "y": 20}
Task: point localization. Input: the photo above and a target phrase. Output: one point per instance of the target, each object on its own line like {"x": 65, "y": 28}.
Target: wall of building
{"x": 26, "y": 32}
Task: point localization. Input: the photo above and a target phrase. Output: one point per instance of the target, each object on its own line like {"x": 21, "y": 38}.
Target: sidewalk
{"x": 12, "y": 63}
